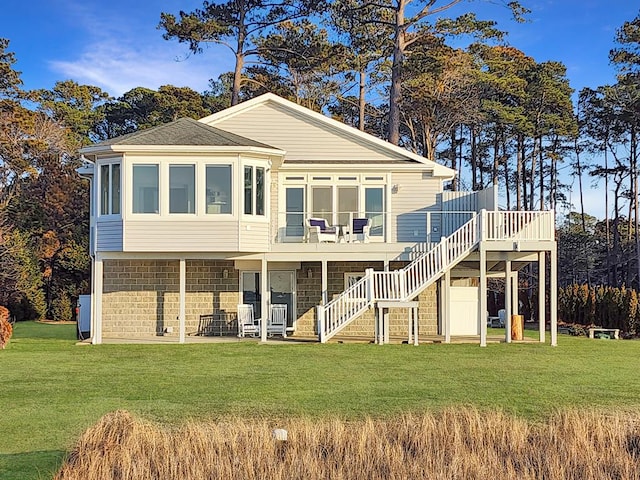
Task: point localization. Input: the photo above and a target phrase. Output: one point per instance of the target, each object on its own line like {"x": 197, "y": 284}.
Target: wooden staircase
{"x": 405, "y": 284}
{"x": 398, "y": 285}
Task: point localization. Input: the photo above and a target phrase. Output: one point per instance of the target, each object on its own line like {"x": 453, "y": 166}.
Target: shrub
{"x": 608, "y": 307}
{"x": 5, "y": 327}
{"x": 61, "y": 308}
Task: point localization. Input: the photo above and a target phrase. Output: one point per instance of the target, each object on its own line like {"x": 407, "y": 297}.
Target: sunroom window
{"x": 110, "y": 189}
{"x": 254, "y": 187}
{"x": 145, "y": 189}
{"x": 182, "y": 189}
{"x": 218, "y": 198}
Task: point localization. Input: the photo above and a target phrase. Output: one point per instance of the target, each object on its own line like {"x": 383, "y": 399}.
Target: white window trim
{"x": 201, "y": 186}
{"x": 103, "y": 163}
{"x": 195, "y": 190}
{"x": 254, "y": 217}
{"x": 140, "y": 215}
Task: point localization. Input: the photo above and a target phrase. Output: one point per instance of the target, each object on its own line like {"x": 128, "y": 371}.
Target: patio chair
{"x": 247, "y": 324}
{"x": 318, "y": 230}
{"x": 277, "y": 324}
{"x": 358, "y": 231}
{"x": 502, "y": 316}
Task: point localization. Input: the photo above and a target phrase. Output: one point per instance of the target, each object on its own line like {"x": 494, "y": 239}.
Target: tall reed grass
{"x": 458, "y": 443}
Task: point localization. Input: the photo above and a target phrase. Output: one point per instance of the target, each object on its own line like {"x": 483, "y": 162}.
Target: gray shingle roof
{"x": 184, "y": 131}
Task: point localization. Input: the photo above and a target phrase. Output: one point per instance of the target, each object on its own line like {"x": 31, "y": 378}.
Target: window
{"x": 104, "y": 189}
{"x": 145, "y": 189}
{"x": 182, "y": 189}
{"x": 347, "y": 204}
{"x": 218, "y": 185}
{"x": 110, "y": 189}
{"x": 374, "y": 210}
{"x": 254, "y": 186}
{"x": 259, "y": 191}
{"x": 115, "y": 189}
{"x": 322, "y": 203}
{"x": 294, "y": 204}
{"x": 248, "y": 190}
{"x": 251, "y": 292}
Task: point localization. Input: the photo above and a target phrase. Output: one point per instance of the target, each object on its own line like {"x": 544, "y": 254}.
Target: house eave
{"x": 96, "y": 150}
{"x": 382, "y": 167}
{"x": 87, "y": 169}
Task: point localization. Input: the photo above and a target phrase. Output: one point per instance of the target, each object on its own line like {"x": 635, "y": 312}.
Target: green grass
{"x": 52, "y": 390}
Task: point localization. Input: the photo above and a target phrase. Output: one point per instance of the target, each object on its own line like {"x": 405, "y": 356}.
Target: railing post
{"x": 321, "y": 323}
{"x": 402, "y": 284}
{"x": 368, "y": 274}
{"x": 482, "y": 225}
{"x": 428, "y": 226}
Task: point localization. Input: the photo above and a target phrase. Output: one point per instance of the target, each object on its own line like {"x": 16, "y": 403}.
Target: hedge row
{"x": 608, "y": 307}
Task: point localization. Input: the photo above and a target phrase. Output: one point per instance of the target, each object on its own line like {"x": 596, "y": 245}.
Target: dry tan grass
{"x": 453, "y": 444}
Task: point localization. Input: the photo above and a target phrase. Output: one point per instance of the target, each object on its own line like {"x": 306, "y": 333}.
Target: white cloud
{"x": 118, "y": 67}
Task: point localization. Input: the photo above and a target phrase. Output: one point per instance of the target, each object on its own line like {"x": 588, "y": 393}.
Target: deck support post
{"x": 379, "y": 333}
{"x": 321, "y": 323}
{"x": 482, "y": 303}
{"x": 542, "y": 319}
{"x": 515, "y": 299}
{"x": 264, "y": 300}
{"x": 324, "y": 274}
{"x": 96, "y": 327}
{"x": 183, "y": 298}
{"x": 445, "y": 307}
{"x": 413, "y": 314}
{"x": 553, "y": 294}
{"x": 507, "y": 301}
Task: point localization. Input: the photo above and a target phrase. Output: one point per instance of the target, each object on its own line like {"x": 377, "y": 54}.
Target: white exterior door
{"x": 282, "y": 287}
{"x": 464, "y": 311}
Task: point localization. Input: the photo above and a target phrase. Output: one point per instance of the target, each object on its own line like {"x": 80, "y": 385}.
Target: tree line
{"x": 449, "y": 88}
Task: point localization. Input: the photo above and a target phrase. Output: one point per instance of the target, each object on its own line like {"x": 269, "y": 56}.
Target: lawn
{"x": 52, "y": 390}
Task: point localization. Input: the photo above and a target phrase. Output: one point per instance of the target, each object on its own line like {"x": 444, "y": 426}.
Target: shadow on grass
{"x": 30, "y": 465}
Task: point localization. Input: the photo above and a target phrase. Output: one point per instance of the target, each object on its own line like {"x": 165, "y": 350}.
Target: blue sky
{"x": 115, "y": 44}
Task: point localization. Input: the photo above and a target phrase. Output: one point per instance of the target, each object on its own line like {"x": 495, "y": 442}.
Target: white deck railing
{"x": 531, "y": 226}
{"x": 406, "y": 283}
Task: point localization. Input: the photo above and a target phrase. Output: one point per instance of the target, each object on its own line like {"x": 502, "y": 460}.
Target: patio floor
{"x": 426, "y": 339}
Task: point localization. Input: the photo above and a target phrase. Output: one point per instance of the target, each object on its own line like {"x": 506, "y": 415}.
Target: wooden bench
{"x": 608, "y": 331}
{"x": 217, "y": 324}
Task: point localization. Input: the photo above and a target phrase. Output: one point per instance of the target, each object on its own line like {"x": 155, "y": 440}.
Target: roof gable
{"x": 310, "y": 137}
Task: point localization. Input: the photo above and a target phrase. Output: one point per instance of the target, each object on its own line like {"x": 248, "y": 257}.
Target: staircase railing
{"x": 406, "y": 283}
{"x": 397, "y": 285}
{"x": 351, "y": 303}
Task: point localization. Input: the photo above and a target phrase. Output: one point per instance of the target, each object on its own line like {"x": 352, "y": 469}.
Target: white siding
{"x": 302, "y": 137}
{"x": 488, "y": 199}
{"x": 109, "y": 235}
{"x": 417, "y": 194}
{"x": 181, "y": 236}
{"x": 459, "y": 201}
{"x": 469, "y": 201}
{"x": 254, "y": 236}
